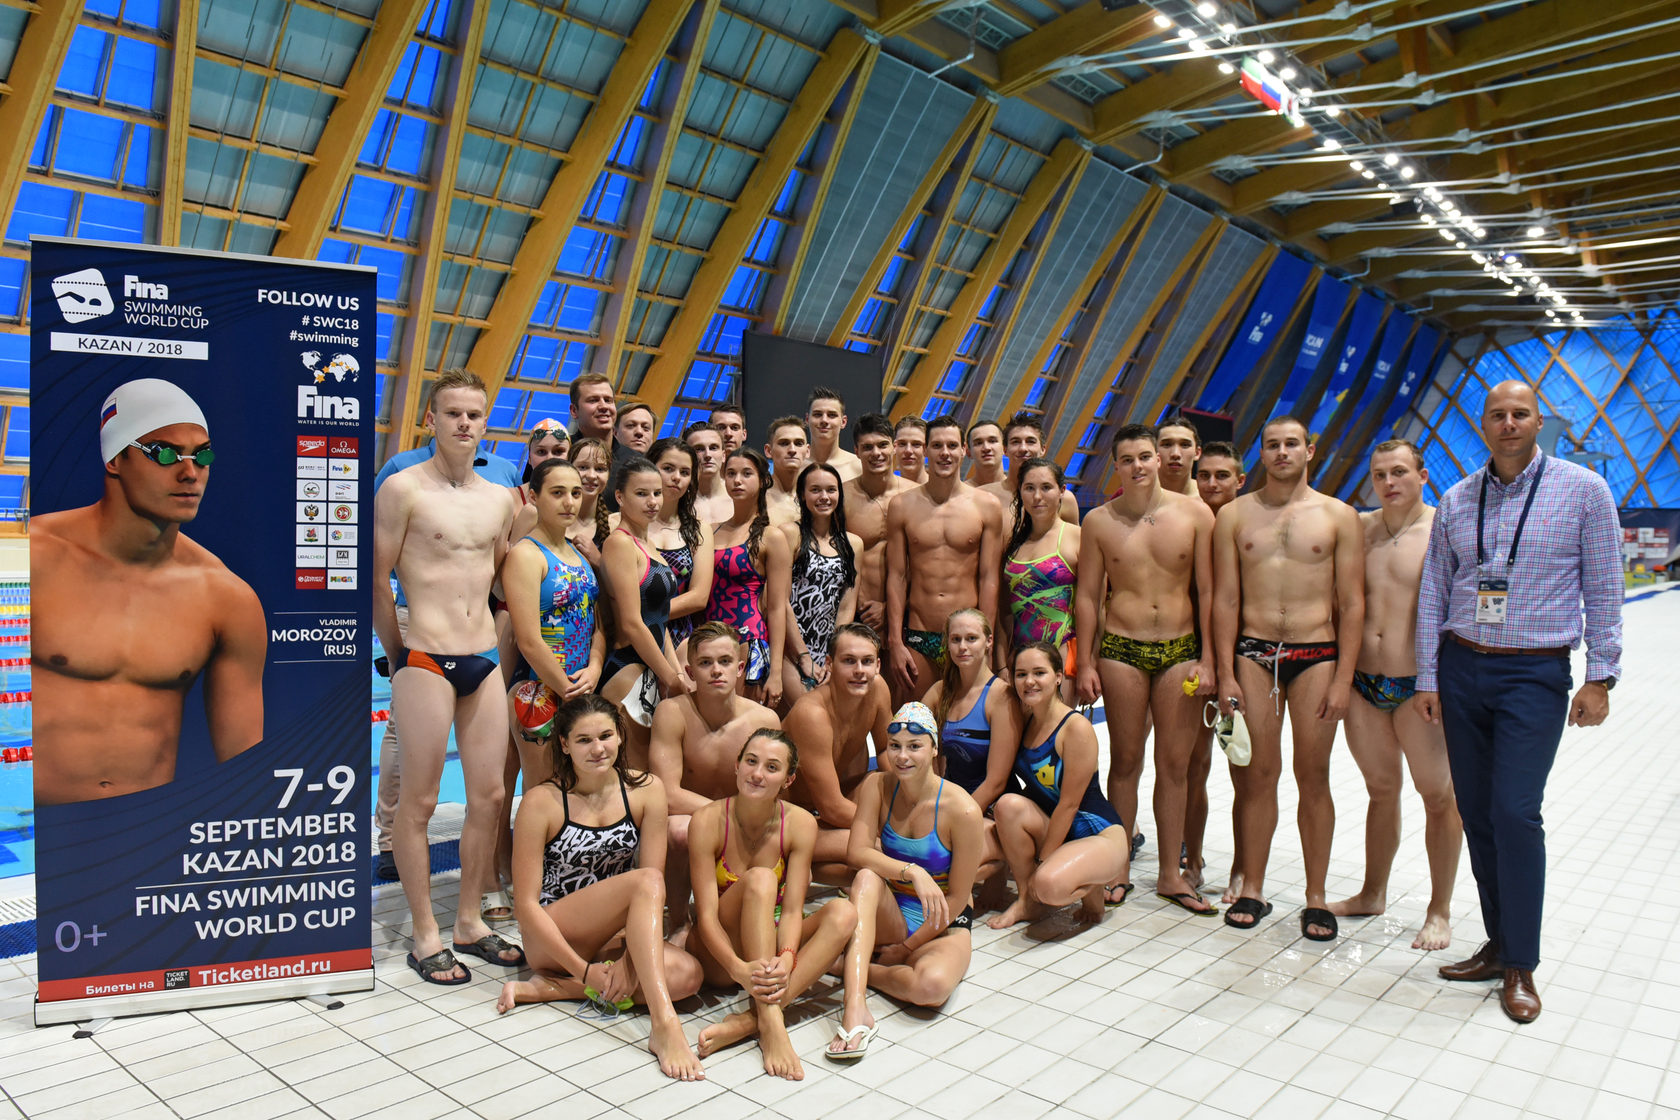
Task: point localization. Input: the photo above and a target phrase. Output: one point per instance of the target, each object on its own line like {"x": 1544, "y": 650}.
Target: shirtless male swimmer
{"x": 127, "y": 612}
{"x": 944, "y": 549}
{"x": 443, "y": 528}
{"x": 1289, "y": 608}
{"x": 867, "y": 498}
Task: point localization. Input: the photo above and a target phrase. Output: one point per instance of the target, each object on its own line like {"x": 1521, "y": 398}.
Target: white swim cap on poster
{"x": 144, "y": 405}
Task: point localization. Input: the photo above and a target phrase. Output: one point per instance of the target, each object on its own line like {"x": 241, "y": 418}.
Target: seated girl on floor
{"x": 750, "y": 858}
{"x": 589, "y": 865}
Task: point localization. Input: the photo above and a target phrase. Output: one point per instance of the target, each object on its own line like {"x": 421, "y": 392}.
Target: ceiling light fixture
{"x": 1368, "y": 173}
{"x": 1227, "y": 29}
{"x": 1186, "y": 33}
{"x": 1536, "y": 232}
{"x": 1356, "y": 164}
{"x": 1332, "y": 110}
{"x": 1288, "y": 74}
{"x": 1407, "y": 172}
{"x": 1268, "y": 57}
{"x": 1330, "y": 144}
{"x": 1206, "y": 10}
{"x": 1226, "y": 68}
{"x": 1391, "y": 159}
{"x": 1162, "y": 21}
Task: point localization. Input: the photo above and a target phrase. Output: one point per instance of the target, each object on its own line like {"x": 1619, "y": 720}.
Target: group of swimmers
{"x": 686, "y": 647}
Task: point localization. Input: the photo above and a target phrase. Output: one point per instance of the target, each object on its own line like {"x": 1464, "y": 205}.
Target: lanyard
{"x": 1481, "y": 516}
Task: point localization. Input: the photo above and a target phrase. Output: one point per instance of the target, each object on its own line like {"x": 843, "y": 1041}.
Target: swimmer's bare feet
{"x": 779, "y": 1057}
{"x": 1021, "y": 910}
{"x": 734, "y": 1028}
{"x": 1233, "y": 888}
{"x": 1435, "y": 934}
{"x": 1366, "y": 904}
{"x": 1094, "y": 906}
{"x": 542, "y": 988}
{"x": 676, "y": 1060}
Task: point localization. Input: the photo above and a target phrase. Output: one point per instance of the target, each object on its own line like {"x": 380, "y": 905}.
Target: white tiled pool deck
{"x": 1151, "y": 1014}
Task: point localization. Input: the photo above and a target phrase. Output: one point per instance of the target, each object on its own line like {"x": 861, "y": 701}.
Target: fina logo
{"x": 82, "y": 295}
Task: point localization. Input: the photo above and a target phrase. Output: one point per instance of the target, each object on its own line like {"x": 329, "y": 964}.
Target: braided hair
{"x": 836, "y": 527}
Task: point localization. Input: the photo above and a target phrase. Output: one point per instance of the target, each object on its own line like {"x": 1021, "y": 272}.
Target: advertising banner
{"x": 1421, "y": 363}
{"x": 200, "y": 627}
{"x": 1362, "y": 328}
{"x": 1265, "y": 317}
{"x": 1328, "y": 303}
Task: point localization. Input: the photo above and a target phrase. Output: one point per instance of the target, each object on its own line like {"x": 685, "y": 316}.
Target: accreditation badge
{"x": 1490, "y": 601}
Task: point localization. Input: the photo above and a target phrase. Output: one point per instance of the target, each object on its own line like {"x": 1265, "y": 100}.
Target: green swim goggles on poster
{"x": 166, "y": 456}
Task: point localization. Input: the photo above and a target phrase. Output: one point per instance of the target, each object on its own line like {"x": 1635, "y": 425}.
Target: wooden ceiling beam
{"x": 182, "y": 50}
{"x": 1243, "y": 137}
{"x": 1091, "y": 28}
{"x": 35, "y": 65}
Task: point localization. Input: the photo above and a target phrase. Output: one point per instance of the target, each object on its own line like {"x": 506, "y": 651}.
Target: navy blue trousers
{"x": 1503, "y": 716}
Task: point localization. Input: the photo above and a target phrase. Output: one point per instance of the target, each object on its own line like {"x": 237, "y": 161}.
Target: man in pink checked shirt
{"x": 1517, "y": 550}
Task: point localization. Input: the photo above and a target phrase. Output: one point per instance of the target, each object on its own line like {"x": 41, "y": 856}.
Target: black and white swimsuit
{"x": 582, "y": 854}
{"x": 816, "y": 602}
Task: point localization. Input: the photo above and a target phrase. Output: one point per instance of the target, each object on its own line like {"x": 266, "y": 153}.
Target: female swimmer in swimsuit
{"x": 979, "y": 721}
{"x": 824, "y": 577}
{"x": 751, "y": 571}
{"x": 549, "y": 440}
{"x": 1062, "y": 838}
{"x": 750, "y": 857}
{"x": 1040, "y": 566}
{"x": 588, "y": 864}
{"x": 919, "y": 835}
{"x": 594, "y": 464}
{"x": 681, "y": 537}
{"x": 641, "y": 662}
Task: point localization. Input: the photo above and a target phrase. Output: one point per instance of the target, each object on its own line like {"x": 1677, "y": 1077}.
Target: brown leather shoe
{"x": 1484, "y": 965}
{"x": 1518, "y": 997}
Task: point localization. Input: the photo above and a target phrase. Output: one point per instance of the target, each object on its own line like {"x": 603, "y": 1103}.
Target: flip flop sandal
{"x": 864, "y": 1035}
{"x": 489, "y": 949}
{"x": 441, "y": 961}
{"x": 1125, "y": 890}
{"x": 1248, "y": 907}
{"x": 1184, "y": 900}
{"x": 1318, "y": 916}
{"x": 496, "y": 907}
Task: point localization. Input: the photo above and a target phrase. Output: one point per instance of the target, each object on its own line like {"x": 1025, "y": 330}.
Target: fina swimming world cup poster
{"x": 201, "y": 621}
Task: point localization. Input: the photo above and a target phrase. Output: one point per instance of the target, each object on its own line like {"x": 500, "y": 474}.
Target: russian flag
{"x": 108, "y": 415}
{"x": 1267, "y": 88}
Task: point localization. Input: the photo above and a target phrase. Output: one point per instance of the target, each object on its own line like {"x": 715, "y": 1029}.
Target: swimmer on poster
{"x": 128, "y": 612}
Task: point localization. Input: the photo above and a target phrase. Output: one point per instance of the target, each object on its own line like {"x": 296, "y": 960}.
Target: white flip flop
{"x": 496, "y": 900}
{"x": 864, "y": 1035}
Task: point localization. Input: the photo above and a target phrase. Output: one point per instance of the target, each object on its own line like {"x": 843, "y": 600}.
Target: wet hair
{"x": 546, "y": 468}
{"x": 836, "y": 527}
{"x": 824, "y": 393}
{"x": 456, "y": 379}
{"x": 1221, "y": 447}
{"x": 854, "y": 630}
{"x": 1050, "y": 652}
{"x": 1022, "y": 528}
{"x": 1134, "y": 431}
{"x": 871, "y": 424}
{"x": 969, "y": 435}
{"x": 761, "y": 520}
{"x": 944, "y": 420}
{"x": 911, "y": 422}
{"x": 1285, "y": 418}
{"x": 1178, "y": 420}
{"x": 583, "y": 381}
{"x": 775, "y": 735}
{"x": 1025, "y": 419}
{"x": 589, "y": 704}
{"x": 788, "y": 421}
{"x": 687, "y": 523}
{"x": 712, "y": 631}
{"x": 633, "y": 464}
{"x": 1397, "y": 444}
{"x": 951, "y": 676}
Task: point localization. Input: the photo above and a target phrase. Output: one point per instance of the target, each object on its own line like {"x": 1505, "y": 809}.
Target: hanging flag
{"x": 1270, "y": 90}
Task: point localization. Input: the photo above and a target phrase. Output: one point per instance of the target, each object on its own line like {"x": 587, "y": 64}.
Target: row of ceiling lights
{"x": 1453, "y": 219}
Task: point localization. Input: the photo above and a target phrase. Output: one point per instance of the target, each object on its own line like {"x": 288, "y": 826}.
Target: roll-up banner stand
{"x": 200, "y": 625}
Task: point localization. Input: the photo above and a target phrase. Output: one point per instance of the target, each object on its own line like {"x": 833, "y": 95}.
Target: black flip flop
{"x": 1183, "y": 901}
{"x": 489, "y": 949}
{"x": 1125, "y": 890}
{"x": 1318, "y": 916}
{"x": 1247, "y": 907}
{"x": 441, "y": 961}
{"x": 386, "y": 869}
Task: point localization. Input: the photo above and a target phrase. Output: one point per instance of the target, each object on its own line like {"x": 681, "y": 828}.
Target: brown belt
{"x": 1507, "y": 651}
